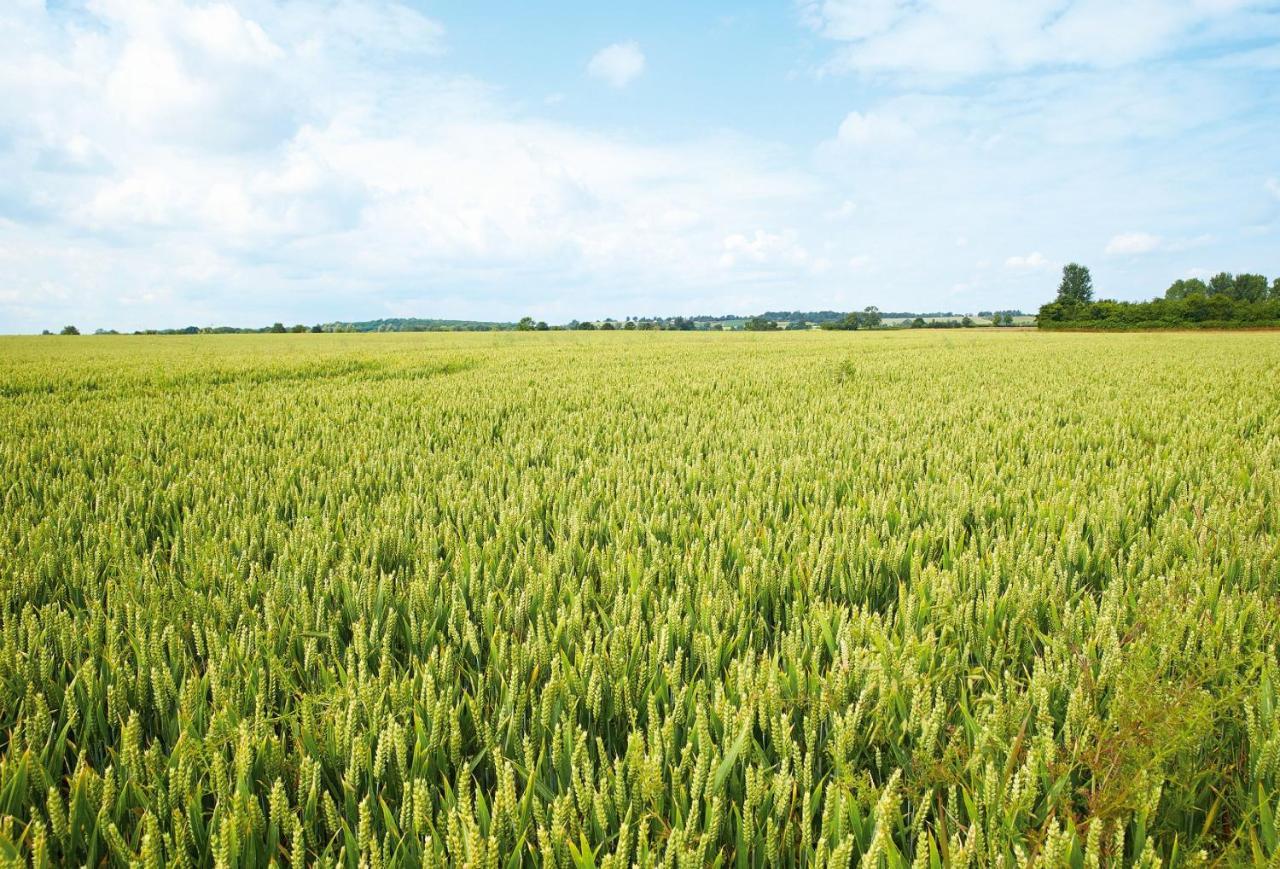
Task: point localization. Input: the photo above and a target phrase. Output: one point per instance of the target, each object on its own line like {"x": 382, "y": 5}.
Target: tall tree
{"x": 1184, "y": 287}
{"x": 1076, "y": 286}
{"x": 1222, "y": 284}
{"x": 1250, "y": 288}
{"x": 1275, "y": 289}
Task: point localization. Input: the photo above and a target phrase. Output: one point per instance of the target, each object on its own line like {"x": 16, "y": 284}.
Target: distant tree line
{"x": 630, "y": 324}
{"x": 820, "y": 317}
{"x": 806, "y": 317}
{"x": 871, "y": 318}
{"x": 1224, "y": 301}
{"x": 868, "y": 318}
{"x": 962, "y": 323}
{"x": 390, "y": 325}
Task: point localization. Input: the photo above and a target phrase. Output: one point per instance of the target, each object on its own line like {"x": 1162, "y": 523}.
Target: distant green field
{"x": 908, "y": 598}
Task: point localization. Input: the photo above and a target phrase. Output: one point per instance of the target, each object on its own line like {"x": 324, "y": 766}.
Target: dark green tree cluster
{"x": 965, "y": 323}
{"x": 1240, "y": 288}
{"x": 867, "y": 318}
{"x": 677, "y": 324}
{"x": 1224, "y": 301}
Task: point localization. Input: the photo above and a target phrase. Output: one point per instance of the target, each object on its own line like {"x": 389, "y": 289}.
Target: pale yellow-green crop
{"x": 821, "y": 599}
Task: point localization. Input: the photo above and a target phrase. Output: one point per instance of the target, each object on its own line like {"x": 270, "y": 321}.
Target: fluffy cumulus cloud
{"x": 618, "y": 64}
{"x": 187, "y": 162}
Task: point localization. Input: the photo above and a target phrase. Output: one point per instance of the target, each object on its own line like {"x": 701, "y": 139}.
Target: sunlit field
{"x": 977, "y": 597}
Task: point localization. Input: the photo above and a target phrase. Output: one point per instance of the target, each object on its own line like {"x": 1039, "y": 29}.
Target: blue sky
{"x": 169, "y": 163}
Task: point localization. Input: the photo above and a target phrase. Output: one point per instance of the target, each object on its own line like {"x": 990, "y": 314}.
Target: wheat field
{"x": 578, "y": 599}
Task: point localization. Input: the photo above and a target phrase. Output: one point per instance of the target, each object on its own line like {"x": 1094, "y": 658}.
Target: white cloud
{"x": 872, "y": 128}
{"x": 849, "y": 20}
{"x": 1076, "y": 150}
{"x": 618, "y": 64}
{"x": 1030, "y": 262}
{"x": 1182, "y": 244}
{"x": 761, "y": 248}
{"x": 950, "y": 38}
{"x": 1133, "y": 243}
{"x": 74, "y": 153}
{"x": 1272, "y": 186}
{"x": 277, "y": 167}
